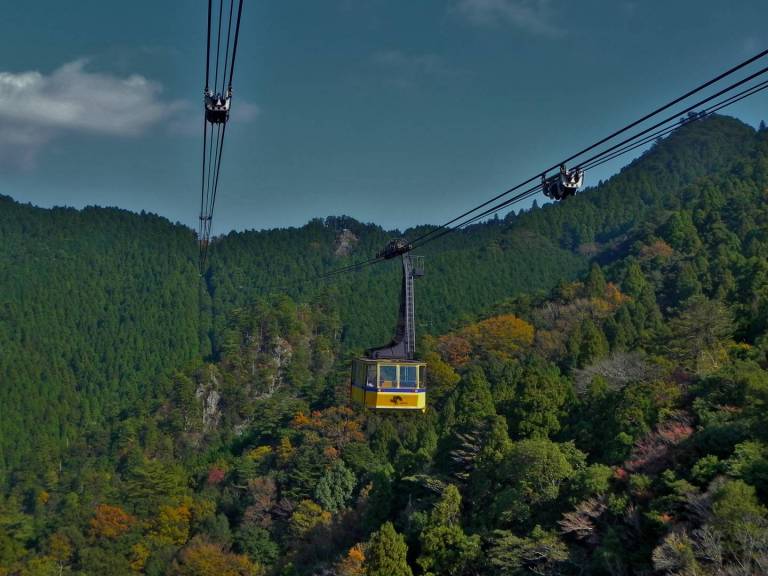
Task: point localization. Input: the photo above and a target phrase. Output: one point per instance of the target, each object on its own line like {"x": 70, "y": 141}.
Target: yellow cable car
{"x": 388, "y": 378}
{"x": 388, "y": 384}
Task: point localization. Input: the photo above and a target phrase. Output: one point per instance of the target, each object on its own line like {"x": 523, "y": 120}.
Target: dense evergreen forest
{"x": 598, "y": 393}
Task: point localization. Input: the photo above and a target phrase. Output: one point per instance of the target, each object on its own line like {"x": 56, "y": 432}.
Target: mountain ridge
{"x": 468, "y": 272}
{"x": 582, "y": 418}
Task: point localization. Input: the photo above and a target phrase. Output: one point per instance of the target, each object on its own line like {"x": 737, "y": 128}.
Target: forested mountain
{"x": 597, "y": 398}
{"x": 94, "y": 305}
{"x": 470, "y": 270}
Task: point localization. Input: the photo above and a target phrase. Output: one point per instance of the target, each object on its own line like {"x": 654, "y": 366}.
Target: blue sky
{"x": 396, "y": 112}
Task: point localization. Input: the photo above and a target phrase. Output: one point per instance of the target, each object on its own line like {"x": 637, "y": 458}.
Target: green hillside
{"x": 103, "y": 300}
{"x": 94, "y": 305}
{"x": 597, "y": 397}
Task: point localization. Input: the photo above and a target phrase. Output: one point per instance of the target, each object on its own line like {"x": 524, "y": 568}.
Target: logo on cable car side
{"x": 396, "y": 400}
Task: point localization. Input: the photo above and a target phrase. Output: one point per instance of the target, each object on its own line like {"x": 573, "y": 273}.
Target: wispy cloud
{"x": 244, "y": 111}
{"x": 188, "y": 119}
{"x": 534, "y": 16}
{"x": 407, "y": 70}
{"x": 36, "y": 108}
{"x": 750, "y": 45}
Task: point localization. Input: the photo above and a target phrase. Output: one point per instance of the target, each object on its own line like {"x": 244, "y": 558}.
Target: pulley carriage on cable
{"x": 388, "y": 377}
{"x": 564, "y": 184}
{"x": 217, "y": 106}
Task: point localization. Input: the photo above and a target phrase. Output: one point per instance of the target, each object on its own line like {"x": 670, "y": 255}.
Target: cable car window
{"x": 388, "y": 376}
{"x": 370, "y": 380}
{"x": 408, "y": 376}
{"x": 423, "y": 376}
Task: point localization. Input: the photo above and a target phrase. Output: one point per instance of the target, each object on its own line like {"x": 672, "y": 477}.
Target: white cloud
{"x": 532, "y": 15}
{"x": 73, "y": 99}
{"x": 36, "y": 108}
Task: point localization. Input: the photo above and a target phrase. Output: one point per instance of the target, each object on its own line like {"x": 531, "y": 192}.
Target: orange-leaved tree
{"x": 202, "y": 558}
{"x": 505, "y": 335}
{"x": 110, "y": 522}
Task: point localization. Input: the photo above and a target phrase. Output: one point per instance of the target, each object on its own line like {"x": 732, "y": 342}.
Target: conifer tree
{"x": 386, "y": 553}
{"x": 595, "y": 283}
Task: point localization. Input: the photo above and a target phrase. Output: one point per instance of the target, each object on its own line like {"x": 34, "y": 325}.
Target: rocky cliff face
{"x": 345, "y": 243}
{"x": 209, "y": 397}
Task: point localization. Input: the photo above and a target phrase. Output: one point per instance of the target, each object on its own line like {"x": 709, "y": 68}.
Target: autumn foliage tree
{"x": 504, "y": 336}
{"x": 201, "y": 558}
{"x": 110, "y": 522}
{"x": 353, "y": 563}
